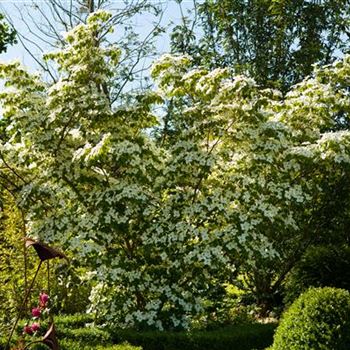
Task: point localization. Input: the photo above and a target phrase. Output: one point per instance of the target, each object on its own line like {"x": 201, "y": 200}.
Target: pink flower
{"x": 35, "y": 327}
{"x": 28, "y": 330}
{"x": 43, "y": 299}
{"x": 36, "y": 312}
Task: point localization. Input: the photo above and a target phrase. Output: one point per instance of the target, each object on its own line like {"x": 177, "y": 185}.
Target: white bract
{"x": 159, "y": 223}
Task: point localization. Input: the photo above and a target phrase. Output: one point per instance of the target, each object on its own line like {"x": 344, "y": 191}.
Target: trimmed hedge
{"x": 240, "y": 337}
{"x": 91, "y": 335}
{"x": 73, "y": 330}
{"x": 82, "y": 339}
{"x": 71, "y": 345}
{"x": 318, "y": 320}
{"x": 235, "y": 337}
{"x": 74, "y": 321}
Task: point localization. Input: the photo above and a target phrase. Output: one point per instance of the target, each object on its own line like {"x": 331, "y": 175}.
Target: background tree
{"x": 7, "y": 34}
{"x": 275, "y": 42}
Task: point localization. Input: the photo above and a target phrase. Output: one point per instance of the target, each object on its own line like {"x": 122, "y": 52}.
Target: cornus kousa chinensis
{"x": 234, "y": 179}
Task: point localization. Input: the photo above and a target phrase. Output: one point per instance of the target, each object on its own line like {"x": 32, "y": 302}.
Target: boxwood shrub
{"x": 76, "y": 345}
{"x": 74, "y": 321}
{"x": 80, "y": 340}
{"x": 73, "y": 345}
{"x": 91, "y": 335}
{"x": 239, "y": 337}
{"x": 235, "y": 337}
{"x": 318, "y": 320}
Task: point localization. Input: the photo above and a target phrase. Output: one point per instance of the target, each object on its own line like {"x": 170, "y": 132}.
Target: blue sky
{"x": 142, "y": 25}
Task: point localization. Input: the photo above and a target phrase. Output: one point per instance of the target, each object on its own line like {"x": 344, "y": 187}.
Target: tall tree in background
{"x": 275, "y": 42}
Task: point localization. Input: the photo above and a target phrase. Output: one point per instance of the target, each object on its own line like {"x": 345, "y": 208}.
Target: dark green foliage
{"x": 91, "y": 335}
{"x": 7, "y": 35}
{"x": 70, "y": 295}
{"x": 321, "y": 266}
{"x": 74, "y": 333}
{"x": 76, "y": 345}
{"x": 318, "y": 320}
{"x": 70, "y": 345}
{"x": 74, "y": 321}
{"x": 275, "y": 42}
{"x": 244, "y": 337}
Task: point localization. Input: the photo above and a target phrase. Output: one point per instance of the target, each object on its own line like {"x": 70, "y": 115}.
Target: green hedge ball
{"x": 318, "y": 320}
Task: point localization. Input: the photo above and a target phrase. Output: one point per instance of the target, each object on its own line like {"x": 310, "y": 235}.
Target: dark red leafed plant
{"x": 33, "y": 329}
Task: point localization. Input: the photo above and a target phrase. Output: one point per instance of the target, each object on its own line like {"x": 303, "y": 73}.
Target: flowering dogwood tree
{"x": 274, "y": 171}
{"x": 158, "y": 225}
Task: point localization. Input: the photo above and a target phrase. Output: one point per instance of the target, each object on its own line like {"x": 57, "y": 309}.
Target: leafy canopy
{"x": 159, "y": 226}
{"x": 275, "y": 42}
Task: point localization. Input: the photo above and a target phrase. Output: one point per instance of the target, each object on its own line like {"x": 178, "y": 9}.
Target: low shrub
{"x": 70, "y": 294}
{"x": 89, "y": 339}
{"x": 66, "y": 331}
{"x": 318, "y": 320}
{"x": 238, "y": 337}
{"x": 76, "y": 345}
{"x": 91, "y": 335}
{"x": 71, "y": 345}
{"x": 2, "y": 342}
{"x": 229, "y": 309}
{"x": 74, "y": 321}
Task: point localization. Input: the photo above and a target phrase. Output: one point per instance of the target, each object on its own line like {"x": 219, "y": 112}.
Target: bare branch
{"x": 42, "y": 64}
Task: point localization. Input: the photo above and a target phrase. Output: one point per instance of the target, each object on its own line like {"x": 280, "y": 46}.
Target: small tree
{"x": 158, "y": 226}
